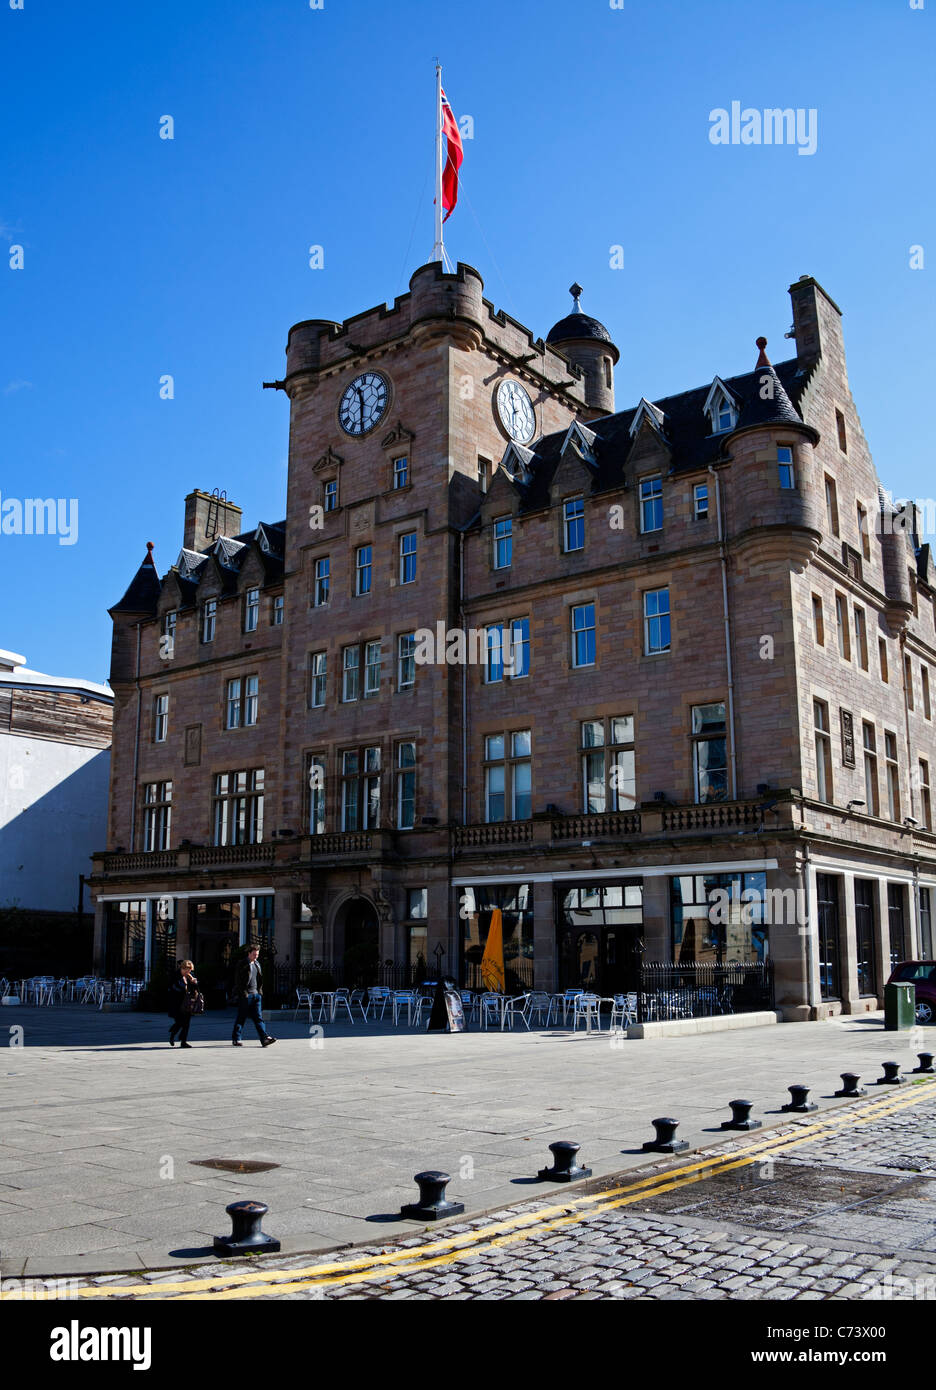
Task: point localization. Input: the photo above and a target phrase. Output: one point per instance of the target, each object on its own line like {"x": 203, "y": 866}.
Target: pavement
{"x": 103, "y": 1127}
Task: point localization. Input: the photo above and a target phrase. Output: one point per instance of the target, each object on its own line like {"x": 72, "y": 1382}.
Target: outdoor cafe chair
{"x": 587, "y": 1007}
{"x": 516, "y": 1007}
{"x": 543, "y": 1007}
{"x": 342, "y": 998}
{"x": 303, "y": 1001}
{"x": 623, "y": 1010}
{"x": 377, "y": 994}
{"x": 492, "y": 1007}
{"x": 420, "y": 1002}
{"x": 567, "y": 1001}
{"x": 469, "y": 1003}
{"x": 322, "y": 999}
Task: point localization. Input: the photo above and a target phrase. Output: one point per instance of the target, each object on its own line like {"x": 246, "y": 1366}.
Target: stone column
{"x": 852, "y": 1003}
{"x": 657, "y": 931}
{"x": 100, "y": 918}
{"x": 882, "y": 936}
{"x": 788, "y": 932}
{"x": 545, "y": 963}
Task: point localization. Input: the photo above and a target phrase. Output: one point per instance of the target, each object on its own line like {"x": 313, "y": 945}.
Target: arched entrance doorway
{"x": 357, "y": 937}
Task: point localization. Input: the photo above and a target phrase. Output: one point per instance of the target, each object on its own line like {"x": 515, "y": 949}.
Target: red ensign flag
{"x": 453, "y": 160}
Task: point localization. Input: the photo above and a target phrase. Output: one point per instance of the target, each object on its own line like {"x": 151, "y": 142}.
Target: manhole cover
{"x": 233, "y": 1165}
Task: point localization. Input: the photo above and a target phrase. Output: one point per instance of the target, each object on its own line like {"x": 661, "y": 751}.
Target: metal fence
{"x": 702, "y": 990}
{"x": 518, "y": 975}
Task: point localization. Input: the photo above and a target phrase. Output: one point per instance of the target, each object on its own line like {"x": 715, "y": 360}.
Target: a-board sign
{"x": 447, "y": 1014}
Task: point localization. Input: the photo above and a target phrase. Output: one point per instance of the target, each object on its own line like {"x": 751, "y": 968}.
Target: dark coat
{"x": 242, "y": 978}
{"x": 177, "y": 992}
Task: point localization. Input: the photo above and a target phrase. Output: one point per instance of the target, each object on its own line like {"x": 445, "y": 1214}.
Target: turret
{"x": 138, "y": 603}
{"x": 587, "y": 344}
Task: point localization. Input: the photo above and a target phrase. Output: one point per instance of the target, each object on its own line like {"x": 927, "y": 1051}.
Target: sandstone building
{"x": 656, "y": 682}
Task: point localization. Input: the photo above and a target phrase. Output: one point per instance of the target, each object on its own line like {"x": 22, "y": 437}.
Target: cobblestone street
{"x": 833, "y": 1207}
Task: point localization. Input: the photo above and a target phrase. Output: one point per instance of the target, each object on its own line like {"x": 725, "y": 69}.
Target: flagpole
{"x": 438, "y": 250}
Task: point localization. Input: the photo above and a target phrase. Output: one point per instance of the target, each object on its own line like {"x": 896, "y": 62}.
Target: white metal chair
{"x": 492, "y": 1007}
{"x": 542, "y": 1006}
{"x": 567, "y": 1001}
{"x": 516, "y": 1007}
{"x": 469, "y": 1003}
{"x": 420, "y": 1002}
{"x": 377, "y": 995}
{"x": 587, "y": 1007}
{"x": 342, "y": 999}
{"x": 623, "y": 1010}
{"x": 303, "y": 1001}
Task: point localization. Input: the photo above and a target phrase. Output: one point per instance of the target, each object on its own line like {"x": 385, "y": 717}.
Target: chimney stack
{"x": 208, "y": 516}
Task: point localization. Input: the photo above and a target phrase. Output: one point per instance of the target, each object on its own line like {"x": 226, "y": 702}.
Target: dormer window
{"x": 721, "y": 408}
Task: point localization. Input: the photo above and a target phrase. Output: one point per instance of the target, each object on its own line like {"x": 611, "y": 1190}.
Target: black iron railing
{"x": 518, "y": 975}
{"x": 703, "y": 990}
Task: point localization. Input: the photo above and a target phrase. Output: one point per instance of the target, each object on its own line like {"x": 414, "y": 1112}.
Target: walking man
{"x": 248, "y": 987}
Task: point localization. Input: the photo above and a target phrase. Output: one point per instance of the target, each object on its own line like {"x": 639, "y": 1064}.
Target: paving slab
{"x": 92, "y": 1107}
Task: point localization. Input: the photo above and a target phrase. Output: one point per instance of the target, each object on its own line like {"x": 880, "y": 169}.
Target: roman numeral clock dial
{"x": 515, "y": 411}
{"x": 363, "y": 403}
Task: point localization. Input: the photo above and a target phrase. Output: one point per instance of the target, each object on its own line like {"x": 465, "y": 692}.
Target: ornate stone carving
{"x": 193, "y": 745}
{"x": 328, "y": 460}
{"x": 397, "y": 436}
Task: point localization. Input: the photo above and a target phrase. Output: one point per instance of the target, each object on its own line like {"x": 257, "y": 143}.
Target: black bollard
{"x": 850, "y": 1085}
{"x": 433, "y": 1204}
{"x": 565, "y": 1168}
{"x": 665, "y": 1141}
{"x": 798, "y": 1103}
{"x": 246, "y": 1237}
{"x": 741, "y": 1116}
{"x": 891, "y": 1075}
{"x": 926, "y": 1062}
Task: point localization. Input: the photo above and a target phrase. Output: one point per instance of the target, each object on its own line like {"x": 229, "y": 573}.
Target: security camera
{"x": 911, "y": 821}
{"x": 854, "y": 804}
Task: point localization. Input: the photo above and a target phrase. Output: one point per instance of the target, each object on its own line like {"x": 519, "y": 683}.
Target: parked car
{"x": 921, "y": 973}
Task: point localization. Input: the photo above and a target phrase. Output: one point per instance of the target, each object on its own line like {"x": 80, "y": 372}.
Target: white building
{"x": 55, "y": 736}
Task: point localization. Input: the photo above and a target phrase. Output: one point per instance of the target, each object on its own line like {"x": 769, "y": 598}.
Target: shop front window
{"x": 722, "y": 917}
{"x": 476, "y": 907}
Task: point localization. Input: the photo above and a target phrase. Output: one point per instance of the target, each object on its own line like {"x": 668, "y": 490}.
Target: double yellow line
{"x": 499, "y": 1234}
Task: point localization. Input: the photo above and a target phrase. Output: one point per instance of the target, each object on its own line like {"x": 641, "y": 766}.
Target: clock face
{"x": 364, "y": 403}
{"x": 516, "y": 411}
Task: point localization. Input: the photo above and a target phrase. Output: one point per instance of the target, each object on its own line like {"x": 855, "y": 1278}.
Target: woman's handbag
{"x": 194, "y": 1003}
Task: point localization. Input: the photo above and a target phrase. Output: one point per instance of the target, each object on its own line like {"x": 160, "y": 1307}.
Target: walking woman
{"x": 182, "y": 994}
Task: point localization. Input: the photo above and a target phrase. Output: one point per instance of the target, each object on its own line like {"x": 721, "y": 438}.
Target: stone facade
{"x": 742, "y": 575}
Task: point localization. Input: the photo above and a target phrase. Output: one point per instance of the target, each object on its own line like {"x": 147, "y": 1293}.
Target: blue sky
{"x": 295, "y": 127}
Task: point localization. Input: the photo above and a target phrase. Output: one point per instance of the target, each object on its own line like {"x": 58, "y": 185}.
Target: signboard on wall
{"x": 848, "y": 738}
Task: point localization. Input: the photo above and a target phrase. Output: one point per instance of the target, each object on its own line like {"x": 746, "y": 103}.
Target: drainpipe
{"x": 727, "y": 621}
{"x": 136, "y": 743}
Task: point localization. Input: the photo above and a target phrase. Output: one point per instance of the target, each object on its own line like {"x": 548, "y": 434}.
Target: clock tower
{"x": 398, "y": 418}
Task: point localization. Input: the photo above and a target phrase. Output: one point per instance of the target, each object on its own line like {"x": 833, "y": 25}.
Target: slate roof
{"x": 577, "y": 326}
{"x": 143, "y": 592}
{"x": 686, "y": 429}
{"x": 145, "y": 588}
